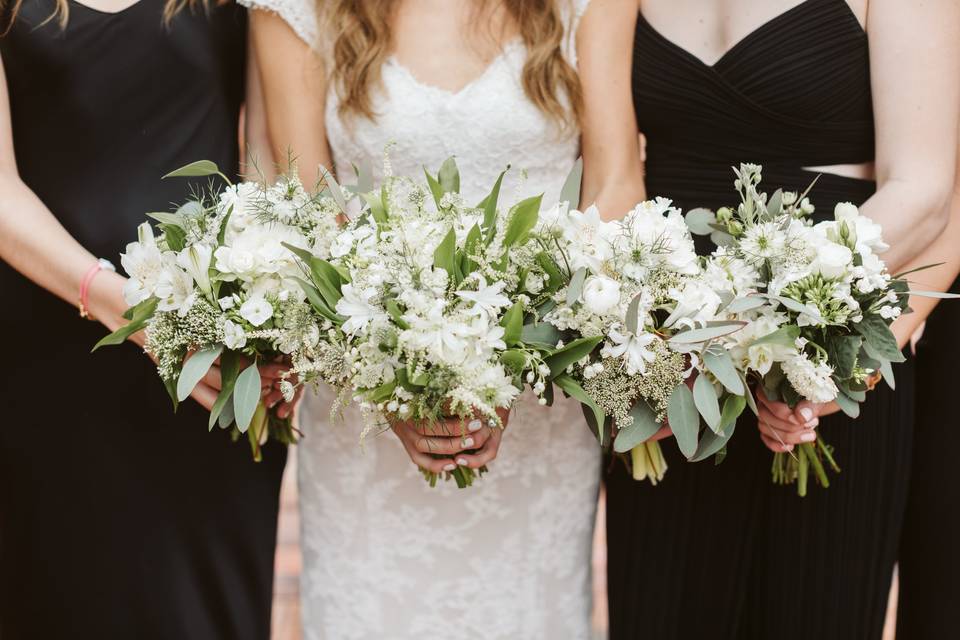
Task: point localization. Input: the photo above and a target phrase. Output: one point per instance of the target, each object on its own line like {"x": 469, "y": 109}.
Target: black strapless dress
{"x": 119, "y": 519}
{"x": 929, "y": 556}
{"x": 719, "y": 551}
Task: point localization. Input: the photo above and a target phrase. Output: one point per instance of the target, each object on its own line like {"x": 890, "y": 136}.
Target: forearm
{"x": 34, "y": 242}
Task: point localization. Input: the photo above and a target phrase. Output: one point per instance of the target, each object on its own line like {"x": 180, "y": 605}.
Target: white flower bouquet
{"x": 423, "y": 300}
{"x": 818, "y": 303}
{"x": 634, "y": 289}
{"x": 219, "y": 284}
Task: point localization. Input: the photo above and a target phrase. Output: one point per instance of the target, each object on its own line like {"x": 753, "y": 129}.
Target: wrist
{"x": 89, "y": 276}
{"x": 105, "y": 301}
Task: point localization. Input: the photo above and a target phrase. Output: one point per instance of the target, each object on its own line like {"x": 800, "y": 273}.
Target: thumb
{"x": 805, "y": 411}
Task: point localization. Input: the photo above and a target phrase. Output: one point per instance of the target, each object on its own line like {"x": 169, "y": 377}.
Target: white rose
{"x": 601, "y": 294}
{"x": 256, "y": 311}
{"x": 233, "y": 261}
{"x": 234, "y": 337}
{"x": 832, "y": 260}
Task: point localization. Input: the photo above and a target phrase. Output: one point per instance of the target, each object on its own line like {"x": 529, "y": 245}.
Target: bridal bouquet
{"x": 423, "y": 300}
{"x": 635, "y": 290}
{"x": 216, "y": 281}
{"x": 817, "y": 300}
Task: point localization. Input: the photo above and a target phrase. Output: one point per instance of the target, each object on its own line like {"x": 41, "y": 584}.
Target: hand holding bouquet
{"x": 218, "y": 284}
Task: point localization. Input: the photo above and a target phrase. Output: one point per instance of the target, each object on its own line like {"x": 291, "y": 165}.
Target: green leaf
{"x": 576, "y": 286}
{"x": 449, "y": 176}
{"x": 393, "y": 308}
{"x": 709, "y": 332}
{"x": 383, "y": 392}
{"x": 699, "y": 221}
{"x": 138, "y": 316}
{"x": 746, "y": 303}
{"x": 799, "y": 307}
{"x": 712, "y": 443}
{"x": 540, "y": 334}
{"x": 785, "y": 336}
{"x": 168, "y": 218}
{"x": 719, "y": 363}
{"x": 842, "y": 352}
{"x": 848, "y": 405}
{"x": 879, "y": 341}
{"x": 748, "y": 396}
{"x": 377, "y": 209}
{"x": 470, "y": 247}
{"x": 684, "y": 419}
{"x": 175, "y": 236}
{"x": 227, "y": 416}
{"x": 335, "y": 191}
{"x": 733, "y": 406}
{"x": 512, "y": 322}
{"x": 549, "y": 266}
{"x": 489, "y": 206}
{"x": 222, "y": 234}
{"x": 195, "y": 169}
{"x": 705, "y": 399}
{"x": 522, "y": 221}
{"x": 935, "y": 294}
{"x": 246, "y": 396}
{"x": 886, "y": 370}
{"x": 570, "y": 192}
{"x": 435, "y": 187}
{"x": 445, "y": 254}
{"x": 364, "y": 177}
{"x": 570, "y": 387}
{"x": 568, "y": 354}
{"x": 318, "y": 303}
{"x": 194, "y": 369}
{"x": 633, "y": 315}
{"x": 192, "y": 209}
{"x": 514, "y": 359}
{"x": 170, "y": 385}
{"x": 775, "y": 204}
{"x": 644, "y": 426}
{"x": 229, "y": 370}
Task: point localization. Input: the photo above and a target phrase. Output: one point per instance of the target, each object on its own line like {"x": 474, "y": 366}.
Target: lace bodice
{"x": 386, "y": 556}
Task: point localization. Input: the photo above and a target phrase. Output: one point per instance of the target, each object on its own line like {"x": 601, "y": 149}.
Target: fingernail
{"x": 468, "y": 442}
{"x": 812, "y": 423}
{"x": 808, "y": 437}
{"x": 462, "y": 462}
{"x": 450, "y": 467}
{"x": 807, "y": 414}
{"x": 475, "y": 425}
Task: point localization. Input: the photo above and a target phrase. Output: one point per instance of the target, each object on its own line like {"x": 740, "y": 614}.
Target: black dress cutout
{"x": 719, "y": 551}
{"x": 119, "y": 519}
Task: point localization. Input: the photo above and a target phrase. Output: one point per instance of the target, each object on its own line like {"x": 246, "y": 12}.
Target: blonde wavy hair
{"x": 61, "y": 12}
{"x": 364, "y": 38}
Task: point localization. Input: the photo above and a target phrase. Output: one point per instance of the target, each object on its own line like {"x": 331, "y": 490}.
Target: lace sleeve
{"x": 301, "y": 15}
{"x": 574, "y": 10}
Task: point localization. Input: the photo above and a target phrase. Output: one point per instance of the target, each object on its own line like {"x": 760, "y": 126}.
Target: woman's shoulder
{"x": 301, "y": 15}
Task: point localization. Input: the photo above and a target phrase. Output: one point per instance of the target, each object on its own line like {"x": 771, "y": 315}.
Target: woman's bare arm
{"x": 612, "y": 169}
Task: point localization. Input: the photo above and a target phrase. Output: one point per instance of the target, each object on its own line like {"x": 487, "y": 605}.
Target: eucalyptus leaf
{"x": 711, "y": 331}
{"x": 334, "y": 188}
{"x": 684, "y": 419}
{"x": 246, "y": 396}
{"x": 575, "y": 288}
{"x": 699, "y": 221}
{"x": 195, "y": 169}
{"x": 643, "y": 428}
{"x": 559, "y": 360}
{"x": 799, "y": 307}
{"x": 194, "y": 369}
{"x": 848, "y": 405}
{"x": 167, "y": 218}
{"x": 719, "y": 363}
{"x": 886, "y": 370}
{"x": 775, "y": 205}
{"x": 191, "y": 209}
{"x": 785, "y": 336}
{"x": 733, "y": 406}
{"x": 227, "y": 416}
{"x": 633, "y": 315}
{"x": 542, "y": 333}
{"x": 570, "y": 387}
{"x": 712, "y": 443}
{"x": 138, "y": 316}
{"x": 522, "y": 221}
{"x": 944, "y": 295}
{"x": 705, "y": 399}
{"x": 229, "y": 370}
{"x": 744, "y": 304}
{"x": 570, "y": 192}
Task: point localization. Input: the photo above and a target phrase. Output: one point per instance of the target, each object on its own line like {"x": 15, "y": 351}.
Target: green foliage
{"x": 194, "y": 369}
{"x": 559, "y": 360}
{"x": 643, "y": 428}
{"x": 684, "y": 419}
{"x": 246, "y": 396}
{"x": 138, "y": 316}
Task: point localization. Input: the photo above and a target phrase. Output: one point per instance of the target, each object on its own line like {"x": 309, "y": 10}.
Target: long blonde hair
{"x": 61, "y": 12}
{"x": 363, "y": 39}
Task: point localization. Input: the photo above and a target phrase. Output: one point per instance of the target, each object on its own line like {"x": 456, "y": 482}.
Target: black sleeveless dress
{"x": 719, "y": 551}
{"x": 119, "y": 519}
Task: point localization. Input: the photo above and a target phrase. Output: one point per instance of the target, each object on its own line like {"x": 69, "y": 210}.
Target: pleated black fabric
{"x": 719, "y": 551}
{"x": 118, "y": 518}
{"x": 929, "y": 555}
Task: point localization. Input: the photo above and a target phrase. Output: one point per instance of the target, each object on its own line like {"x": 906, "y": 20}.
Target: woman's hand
{"x": 781, "y": 428}
{"x": 450, "y": 438}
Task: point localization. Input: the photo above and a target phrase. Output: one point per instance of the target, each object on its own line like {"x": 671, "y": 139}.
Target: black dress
{"x": 719, "y": 551}
{"x": 119, "y": 519}
{"x": 929, "y": 556}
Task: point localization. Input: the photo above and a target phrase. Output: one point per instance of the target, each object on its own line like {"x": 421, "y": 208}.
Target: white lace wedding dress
{"x": 385, "y": 556}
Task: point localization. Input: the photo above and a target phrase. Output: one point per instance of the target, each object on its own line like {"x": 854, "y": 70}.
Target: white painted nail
{"x": 807, "y": 414}
{"x": 475, "y": 425}
{"x": 468, "y": 442}
{"x": 808, "y": 437}
{"x": 462, "y": 462}
{"x": 450, "y": 467}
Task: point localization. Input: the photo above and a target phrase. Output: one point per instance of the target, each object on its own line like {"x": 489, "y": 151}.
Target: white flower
{"x": 812, "y": 381}
{"x": 764, "y": 240}
{"x": 696, "y": 303}
{"x": 356, "y": 306}
{"x": 487, "y": 299}
{"x": 143, "y": 263}
{"x": 832, "y": 260}
{"x": 227, "y": 302}
{"x": 633, "y": 348}
{"x": 195, "y": 260}
{"x": 890, "y": 312}
{"x": 175, "y": 290}
{"x": 256, "y": 310}
{"x": 868, "y": 234}
{"x": 601, "y": 294}
{"x": 443, "y": 339}
{"x": 234, "y": 337}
